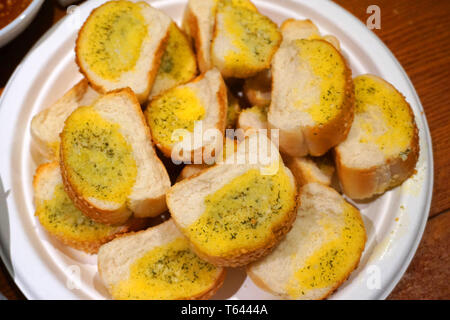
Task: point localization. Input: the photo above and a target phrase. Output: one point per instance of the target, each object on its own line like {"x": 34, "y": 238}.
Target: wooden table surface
{"x": 418, "y": 33}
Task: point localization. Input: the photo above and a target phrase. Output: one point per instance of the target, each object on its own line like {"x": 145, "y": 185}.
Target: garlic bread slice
{"x": 312, "y": 97}
{"x": 237, "y": 211}
{"x": 382, "y": 147}
{"x": 120, "y": 45}
{"x": 108, "y": 164}
{"x": 201, "y": 102}
{"x": 47, "y": 124}
{"x": 62, "y": 220}
{"x": 178, "y": 63}
{"x": 244, "y": 40}
{"x": 257, "y": 89}
{"x": 198, "y": 23}
{"x": 156, "y": 264}
{"x": 319, "y": 253}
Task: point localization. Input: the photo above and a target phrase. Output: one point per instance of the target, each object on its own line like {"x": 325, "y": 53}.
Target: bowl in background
{"x": 15, "y": 27}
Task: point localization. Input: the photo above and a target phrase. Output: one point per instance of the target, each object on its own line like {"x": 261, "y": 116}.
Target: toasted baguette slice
{"x": 311, "y": 169}
{"x": 304, "y": 29}
{"x": 258, "y": 89}
{"x": 233, "y": 110}
{"x": 47, "y": 124}
{"x": 120, "y": 45}
{"x": 156, "y": 264}
{"x": 198, "y": 23}
{"x": 253, "y": 119}
{"x": 108, "y": 164}
{"x": 178, "y": 63}
{"x": 319, "y": 253}
{"x": 63, "y": 221}
{"x": 382, "y": 147}
{"x": 237, "y": 211}
{"x": 244, "y": 40}
{"x": 204, "y": 100}
{"x": 312, "y": 97}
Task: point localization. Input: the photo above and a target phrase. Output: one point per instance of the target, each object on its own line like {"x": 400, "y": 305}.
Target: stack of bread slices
{"x": 291, "y": 136}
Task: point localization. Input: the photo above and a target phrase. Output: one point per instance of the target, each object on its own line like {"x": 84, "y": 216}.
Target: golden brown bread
{"x": 146, "y": 198}
{"x": 64, "y": 222}
{"x": 382, "y": 147}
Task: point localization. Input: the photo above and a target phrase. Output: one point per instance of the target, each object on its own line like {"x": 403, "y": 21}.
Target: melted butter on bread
{"x": 374, "y": 100}
{"x": 328, "y": 69}
{"x": 170, "y": 271}
{"x": 60, "y": 217}
{"x": 177, "y": 108}
{"x": 178, "y": 64}
{"x": 114, "y": 36}
{"x": 333, "y": 259}
{"x": 253, "y": 35}
{"x": 99, "y": 160}
{"x": 240, "y": 214}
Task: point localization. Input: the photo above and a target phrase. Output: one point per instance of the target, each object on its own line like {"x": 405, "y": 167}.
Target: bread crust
{"x": 205, "y": 295}
{"x": 367, "y": 182}
{"x": 317, "y": 140}
{"x": 152, "y": 207}
{"x": 354, "y": 266}
{"x": 305, "y": 23}
{"x": 191, "y": 53}
{"x": 261, "y": 284}
{"x": 111, "y": 217}
{"x": 75, "y": 93}
{"x": 243, "y": 74}
{"x": 191, "y": 21}
{"x": 90, "y": 247}
{"x": 220, "y": 124}
{"x": 154, "y": 70}
{"x": 243, "y": 257}
{"x": 142, "y": 97}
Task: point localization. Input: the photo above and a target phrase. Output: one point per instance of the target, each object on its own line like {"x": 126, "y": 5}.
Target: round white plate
{"x": 44, "y": 269}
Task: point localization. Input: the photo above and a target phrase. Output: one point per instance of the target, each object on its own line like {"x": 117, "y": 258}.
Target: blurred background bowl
{"x": 15, "y": 27}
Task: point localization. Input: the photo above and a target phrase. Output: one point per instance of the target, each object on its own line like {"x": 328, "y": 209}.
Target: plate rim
{"x": 429, "y": 169}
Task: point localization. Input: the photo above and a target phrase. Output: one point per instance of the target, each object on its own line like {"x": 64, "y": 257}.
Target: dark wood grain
{"x": 418, "y": 33}
{"x": 428, "y": 275}
{"x": 7, "y": 286}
